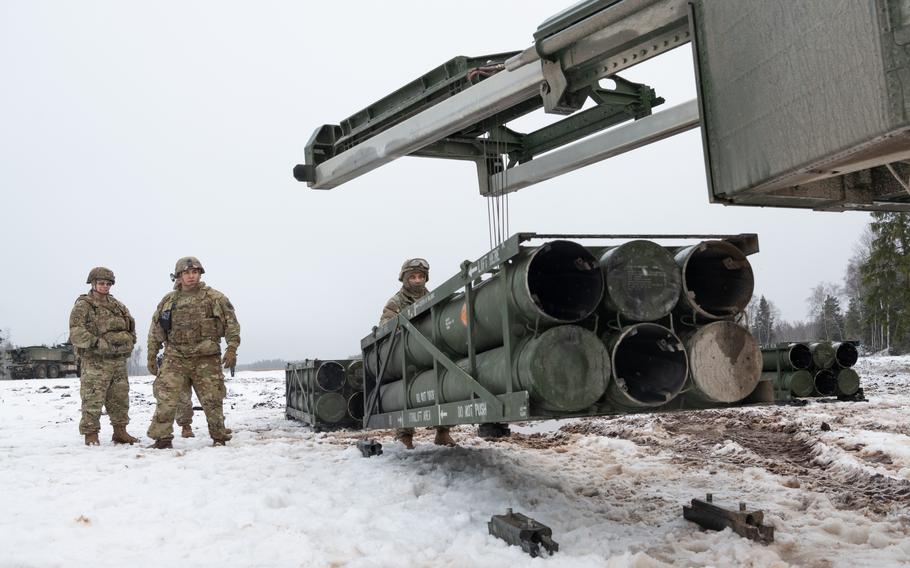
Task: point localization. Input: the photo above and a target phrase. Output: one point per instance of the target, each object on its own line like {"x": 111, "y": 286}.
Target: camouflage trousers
{"x": 185, "y": 408}
{"x": 103, "y": 383}
{"x": 176, "y": 376}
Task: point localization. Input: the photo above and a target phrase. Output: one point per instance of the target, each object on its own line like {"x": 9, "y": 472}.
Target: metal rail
{"x": 599, "y": 147}
{"x": 493, "y": 95}
{"x": 569, "y": 57}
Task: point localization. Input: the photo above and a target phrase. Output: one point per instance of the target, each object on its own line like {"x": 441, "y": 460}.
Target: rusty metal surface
{"x": 746, "y": 523}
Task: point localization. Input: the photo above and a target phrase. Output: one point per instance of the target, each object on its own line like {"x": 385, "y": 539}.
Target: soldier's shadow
{"x": 526, "y": 479}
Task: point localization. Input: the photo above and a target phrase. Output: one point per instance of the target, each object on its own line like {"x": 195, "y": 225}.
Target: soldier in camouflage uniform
{"x": 414, "y": 275}
{"x": 185, "y": 414}
{"x": 190, "y": 322}
{"x": 103, "y": 333}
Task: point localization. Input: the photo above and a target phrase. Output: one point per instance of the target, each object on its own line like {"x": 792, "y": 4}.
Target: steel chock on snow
{"x": 493, "y": 431}
{"x": 745, "y": 523}
{"x": 520, "y": 530}
{"x": 369, "y": 448}
{"x": 858, "y": 396}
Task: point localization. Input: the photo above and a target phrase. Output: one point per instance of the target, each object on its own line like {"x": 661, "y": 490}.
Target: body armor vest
{"x": 197, "y": 325}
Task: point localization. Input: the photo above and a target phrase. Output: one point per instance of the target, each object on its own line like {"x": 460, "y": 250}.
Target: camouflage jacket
{"x": 103, "y": 328}
{"x": 398, "y": 302}
{"x": 199, "y": 320}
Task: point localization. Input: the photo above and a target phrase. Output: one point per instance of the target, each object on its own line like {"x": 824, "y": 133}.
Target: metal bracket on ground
{"x": 858, "y": 396}
{"x": 369, "y": 448}
{"x": 493, "y": 431}
{"x": 745, "y": 523}
{"x": 520, "y": 530}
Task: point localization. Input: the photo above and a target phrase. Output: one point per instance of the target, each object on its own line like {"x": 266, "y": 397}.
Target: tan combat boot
{"x": 407, "y": 440}
{"x": 443, "y": 438}
{"x": 218, "y": 442}
{"x": 121, "y": 436}
{"x": 92, "y": 439}
{"x": 228, "y": 431}
{"x": 161, "y": 445}
{"x": 187, "y": 431}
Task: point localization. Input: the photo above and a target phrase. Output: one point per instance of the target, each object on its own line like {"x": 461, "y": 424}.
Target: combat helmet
{"x": 186, "y": 263}
{"x": 414, "y": 265}
{"x": 100, "y": 273}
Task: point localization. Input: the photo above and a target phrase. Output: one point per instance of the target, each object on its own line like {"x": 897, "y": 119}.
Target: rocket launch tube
{"x": 556, "y": 283}
{"x": 724, "y": 362}
{"x": 564, "y": 369}
{"x": 823, "y": 354}
{"x": 641, "y": 281}
{"x": 825, "y": 383}
{"x": 845, "y": 354}
{"x": 717, "y": 280}
{"x": 790, "y": 358}
{"x": 650, "y": 366}
{"x": 800, "y": 383}
{"x": 847, "y": 382}
{"x": 329, "y": 377}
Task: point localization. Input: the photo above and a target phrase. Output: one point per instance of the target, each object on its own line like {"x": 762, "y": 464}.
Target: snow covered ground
{"x": 833, "y": 479}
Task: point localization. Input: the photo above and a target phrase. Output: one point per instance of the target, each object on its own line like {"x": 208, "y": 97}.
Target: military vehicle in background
{"x": 38, "y": 362}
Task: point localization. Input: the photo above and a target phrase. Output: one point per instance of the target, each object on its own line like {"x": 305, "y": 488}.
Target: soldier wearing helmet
{"x": 190, "y": 322}
{"x": 103, "y": 333}
{"x": 414, "y": 275}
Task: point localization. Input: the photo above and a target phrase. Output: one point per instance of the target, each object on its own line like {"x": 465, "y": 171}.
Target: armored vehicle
{"x": 41, "y": 361}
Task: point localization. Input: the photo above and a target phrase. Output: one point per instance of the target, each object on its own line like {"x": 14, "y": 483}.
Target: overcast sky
{"x": 136, "y": 133}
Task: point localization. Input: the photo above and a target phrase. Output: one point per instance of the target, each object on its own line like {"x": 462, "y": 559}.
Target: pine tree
{"x": 764, "y": 322}
{"x": 886, "y": 278}
{"x": 855, "y": 327}
{"x": 830, "y": 323}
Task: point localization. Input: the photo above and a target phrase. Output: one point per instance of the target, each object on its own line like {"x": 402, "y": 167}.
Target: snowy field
{"x": 832, "y": 478}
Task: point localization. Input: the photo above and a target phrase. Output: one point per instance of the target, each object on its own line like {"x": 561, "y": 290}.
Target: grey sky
{"x": 135, "y": 133}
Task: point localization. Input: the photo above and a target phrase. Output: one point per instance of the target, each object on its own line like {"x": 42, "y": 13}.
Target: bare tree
{"x": 135, "y": 365}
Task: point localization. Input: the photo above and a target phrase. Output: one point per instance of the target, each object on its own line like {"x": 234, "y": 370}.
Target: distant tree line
{"x": 263, "y": 365}
{"x": 872, "y": 305}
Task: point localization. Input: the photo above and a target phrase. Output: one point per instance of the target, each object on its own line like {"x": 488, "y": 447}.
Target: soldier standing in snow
{"x": 103, "y": 333}
{"x": 190, "y": 322}
{"x": 414, "y": 275}
{"x": 185, "y": 414}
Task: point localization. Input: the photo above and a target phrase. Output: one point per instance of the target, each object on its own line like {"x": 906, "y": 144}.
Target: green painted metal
{"x": 330, "y": 407}
{"x": 823, "y": 354}
{"x": 355, "y": 405}
{"x": 614, "y": 106}
{"x": 799, "y": 383}
{"x": 776, "y": 133}
{"x": 329, "y": 376}
{"x": 515, "y": 406}
{"x": 649, "y": 363}
{"x": 493, "y": 405}
{"x": 556, "y": 283}
{"x": 354, "y": 374}
{"x": 317, "y": 393}
{"x": 790, "y": 357}
{"x": 436, "y": 85}
{"x": 570, "y": 16}
{"x": 825, "y": 383}
{"x": 724, "y": 363}
{"x": 453, "y": 389}
{"x": 845, "y": 354}
{"x": 847, "y": 382}
{"x": 565, "y": 369}
{"x": 641, "y": 281}
{"x": 486, "y": 141}
{"x": 717, "y": 281}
